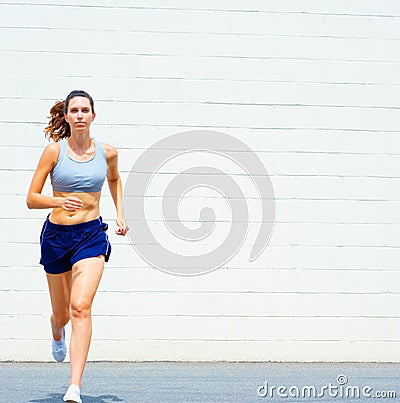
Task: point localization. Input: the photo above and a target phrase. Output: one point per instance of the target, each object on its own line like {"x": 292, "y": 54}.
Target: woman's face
{"x": 79, "y": 114}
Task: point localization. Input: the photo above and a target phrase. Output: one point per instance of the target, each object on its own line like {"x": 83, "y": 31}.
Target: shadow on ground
{"x": 55, "y": 397}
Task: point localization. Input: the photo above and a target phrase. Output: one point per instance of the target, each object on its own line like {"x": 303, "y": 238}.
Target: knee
{"x": 60, "y": 319}
{"x": 80, "y": 309}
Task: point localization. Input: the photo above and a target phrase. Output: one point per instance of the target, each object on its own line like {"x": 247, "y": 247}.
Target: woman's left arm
{"x": 115, "y": 185}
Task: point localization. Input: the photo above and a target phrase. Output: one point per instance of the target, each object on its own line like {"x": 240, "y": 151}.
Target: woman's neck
{"x": 79, "y": 144}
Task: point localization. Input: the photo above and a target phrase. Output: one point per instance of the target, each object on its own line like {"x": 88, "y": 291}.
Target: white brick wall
{"x": 311, "y": 86}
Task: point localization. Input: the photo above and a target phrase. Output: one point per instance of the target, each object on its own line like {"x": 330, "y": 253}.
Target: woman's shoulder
{"x": 52, "y": 150}
{"x": 109, "y": 151}
{"x": 50, "y": 155}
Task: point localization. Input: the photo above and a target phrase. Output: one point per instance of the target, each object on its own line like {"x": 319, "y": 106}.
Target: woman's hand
{"x": 122, "y": 227}
{"x": 71, "y": 203}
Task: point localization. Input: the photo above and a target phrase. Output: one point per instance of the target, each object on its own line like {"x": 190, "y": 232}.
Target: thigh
{"x": 86, "y": 276}
{"x": 60, "y": 291}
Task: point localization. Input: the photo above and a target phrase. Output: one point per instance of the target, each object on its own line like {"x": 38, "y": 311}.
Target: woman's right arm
{"x": 35, "y": 199}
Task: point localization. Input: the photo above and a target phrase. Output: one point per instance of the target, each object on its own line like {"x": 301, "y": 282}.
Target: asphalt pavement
{"x": 106, "y": 382}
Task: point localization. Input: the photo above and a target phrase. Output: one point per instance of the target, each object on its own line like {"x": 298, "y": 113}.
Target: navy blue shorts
{"x": 64, "y": 245}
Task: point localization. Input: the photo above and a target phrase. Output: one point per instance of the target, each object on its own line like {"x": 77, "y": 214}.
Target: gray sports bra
{"x": 69, "y": 175}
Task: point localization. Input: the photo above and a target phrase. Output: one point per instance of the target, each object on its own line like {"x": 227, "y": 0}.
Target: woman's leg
{"x": 60, "y": 291}
{"x": 86, "y": 275}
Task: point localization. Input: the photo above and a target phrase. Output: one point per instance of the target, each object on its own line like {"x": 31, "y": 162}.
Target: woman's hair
{"x": 58, "y": 128}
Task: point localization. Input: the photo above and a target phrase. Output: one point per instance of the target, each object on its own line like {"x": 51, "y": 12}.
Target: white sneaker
{"x": 59, "y": 348}
{"x": 73, "y": 394}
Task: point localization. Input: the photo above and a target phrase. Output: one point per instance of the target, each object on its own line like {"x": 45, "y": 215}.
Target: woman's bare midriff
{"x": 89, "y": 211}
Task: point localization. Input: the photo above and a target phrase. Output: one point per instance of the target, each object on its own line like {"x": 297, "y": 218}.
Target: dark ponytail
{"x": 58, "y": 128}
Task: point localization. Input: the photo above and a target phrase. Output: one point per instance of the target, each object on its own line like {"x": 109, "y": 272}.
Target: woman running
{"x": 74, "y": 243}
